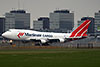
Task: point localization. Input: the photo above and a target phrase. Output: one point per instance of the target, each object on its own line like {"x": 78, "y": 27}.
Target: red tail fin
{"x": 81, "y": 30}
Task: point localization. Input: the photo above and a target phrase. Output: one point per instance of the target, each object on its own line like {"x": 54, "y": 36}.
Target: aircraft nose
{"x": 6, "y": 35}
{"x": 3, "y": 35}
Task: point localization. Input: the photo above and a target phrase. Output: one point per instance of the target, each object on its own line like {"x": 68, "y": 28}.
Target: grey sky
{"x": 39, "y": 8}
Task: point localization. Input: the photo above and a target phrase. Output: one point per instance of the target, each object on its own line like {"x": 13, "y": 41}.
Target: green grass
{"x": 50, "y": 58}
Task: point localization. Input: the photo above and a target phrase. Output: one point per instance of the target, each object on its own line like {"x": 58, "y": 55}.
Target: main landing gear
{"x": 41, "y": 44}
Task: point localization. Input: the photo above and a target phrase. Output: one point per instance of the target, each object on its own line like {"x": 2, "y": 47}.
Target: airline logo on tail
{"x": 81, "y": 30}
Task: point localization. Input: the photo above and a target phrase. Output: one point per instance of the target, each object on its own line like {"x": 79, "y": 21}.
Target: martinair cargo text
{"x": 48, "y": 37}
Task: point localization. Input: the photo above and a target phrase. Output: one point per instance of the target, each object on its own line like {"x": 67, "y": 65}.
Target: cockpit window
{"x": 9, "y": 30}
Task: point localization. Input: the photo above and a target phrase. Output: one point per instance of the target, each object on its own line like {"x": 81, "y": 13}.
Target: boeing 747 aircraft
{"x": 48, "y": 37}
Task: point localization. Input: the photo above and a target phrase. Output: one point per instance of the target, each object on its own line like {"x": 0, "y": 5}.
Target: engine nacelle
{"x": 43, "y": 41}
{"x": 62, "y": 40}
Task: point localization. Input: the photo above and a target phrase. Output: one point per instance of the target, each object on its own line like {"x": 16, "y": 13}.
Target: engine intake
{"x": 62, "y": 40}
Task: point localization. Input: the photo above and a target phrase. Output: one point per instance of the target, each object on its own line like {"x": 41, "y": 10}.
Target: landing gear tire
{"x": 45, "y": 44}
{"x": 38, "y": 44}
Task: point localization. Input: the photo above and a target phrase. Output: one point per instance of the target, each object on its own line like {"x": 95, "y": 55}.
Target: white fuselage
{"x": 29, "y": 34}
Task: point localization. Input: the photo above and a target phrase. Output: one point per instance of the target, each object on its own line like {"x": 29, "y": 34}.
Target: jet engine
{"x": 43, "y": 41}
{"x": 62, "y": 40}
